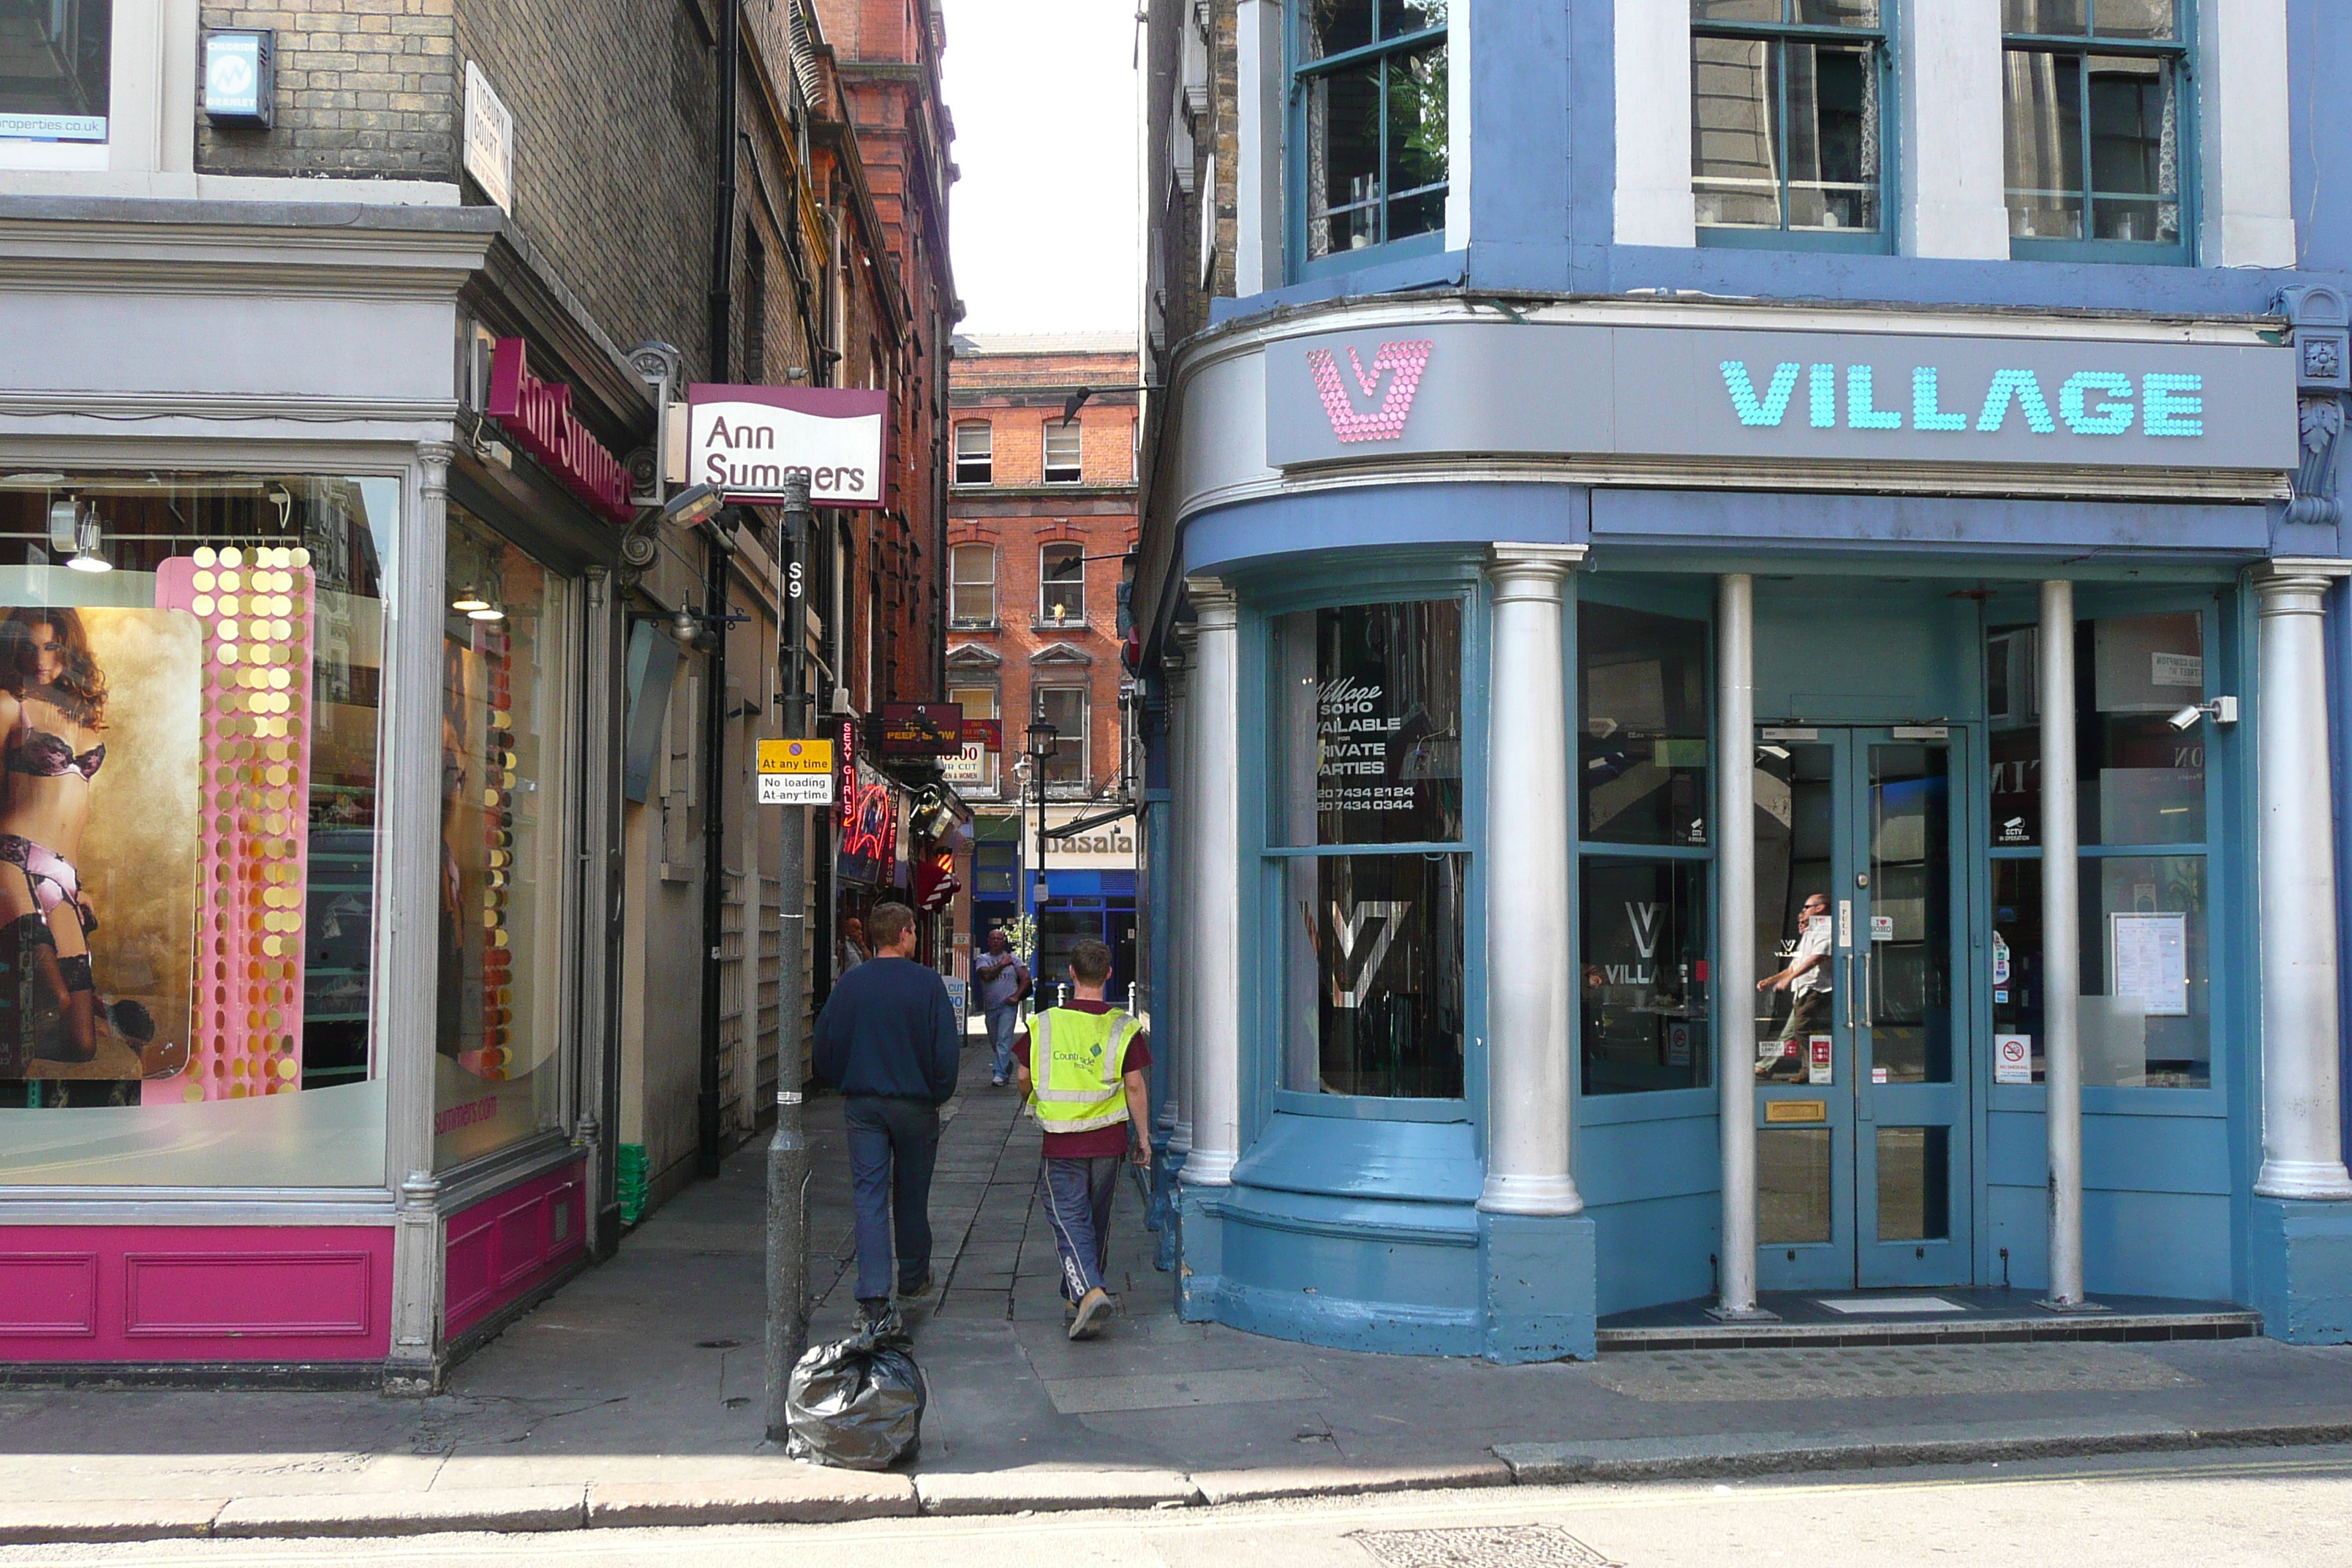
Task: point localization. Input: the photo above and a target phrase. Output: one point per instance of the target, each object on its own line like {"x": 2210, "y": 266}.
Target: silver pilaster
{"x": 2062, "y": 957}
{"x": 1531, "y": 1033}
{"x": 1735, "y": 904}
{"x": 1213, "y": 997}
{"x": 2303, "y": 1146}
{"x": 1170, "y": 990}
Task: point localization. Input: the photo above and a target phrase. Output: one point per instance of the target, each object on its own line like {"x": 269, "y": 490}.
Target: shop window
{"x": 190, "y": 680}
{"x": 1062, "y": 584}
{"x": 974, "y": 586}
{"x": 976, "y": 703}
{"x": 975, "y": 448}
{"x": 1643, "y": 773}
{"x": 2144, "y": 925}
{"x": 2095, "y": 115}
{"x": 1645, "y": 1020}
{"x": 1064, "y": 452}
{"x": 1065, "y": 709}
{"x": 2140, "y": 780}
{"x": 1368, "y": 740}
{"x": 498, "y": 1077}
{"x": 1786, "y": 125}
{"x": 1369, "y": 92}
{"x": 54, "y": 86}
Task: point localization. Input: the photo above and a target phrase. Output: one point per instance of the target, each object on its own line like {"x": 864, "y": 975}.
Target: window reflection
{"x": 1643, "y": 773}
{"x": 1369, "y": 724}
{"x": 1373, "y": 988}
{"x": 1645, "y": 976}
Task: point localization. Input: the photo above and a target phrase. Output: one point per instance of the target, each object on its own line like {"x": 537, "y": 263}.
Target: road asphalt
{"x": 630, "y": 1399}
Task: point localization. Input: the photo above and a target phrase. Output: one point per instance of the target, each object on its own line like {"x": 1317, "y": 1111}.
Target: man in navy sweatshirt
{"x": 888, "y": 1040}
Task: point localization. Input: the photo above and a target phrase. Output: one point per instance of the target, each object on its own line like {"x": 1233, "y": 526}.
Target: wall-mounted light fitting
{"x": 469, "y": 599}
{"x": 89, "y": 544}
{"x": 240, "y": 77}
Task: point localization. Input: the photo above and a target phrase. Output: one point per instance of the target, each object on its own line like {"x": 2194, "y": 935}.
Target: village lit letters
{"x": 746, "y": 439}
{"x": 1584, "y": 390}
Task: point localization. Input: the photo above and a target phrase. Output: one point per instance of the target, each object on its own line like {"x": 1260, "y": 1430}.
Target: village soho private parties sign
{"x": 746, "y": 439}
{"x": 1574, "y": 389}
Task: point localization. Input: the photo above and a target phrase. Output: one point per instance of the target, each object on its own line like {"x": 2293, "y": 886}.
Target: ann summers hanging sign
{"x": 746, "y": 439}
{"x": 1586, "y": 390}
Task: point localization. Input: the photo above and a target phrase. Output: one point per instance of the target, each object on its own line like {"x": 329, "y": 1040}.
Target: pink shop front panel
{"x": 505, "y": 1247}
{"x": 174, "y": 1294}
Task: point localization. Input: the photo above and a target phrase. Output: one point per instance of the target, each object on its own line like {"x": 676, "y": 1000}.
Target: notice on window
{"x": 2148, "y": 962}
{"x": 2013, "y": 1058}
{"x": 2186, "y": 670}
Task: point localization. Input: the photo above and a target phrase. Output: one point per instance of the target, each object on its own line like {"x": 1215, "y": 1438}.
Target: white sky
{"x": 1044, "y": 222}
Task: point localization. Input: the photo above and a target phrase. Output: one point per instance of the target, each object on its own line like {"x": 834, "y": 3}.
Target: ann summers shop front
{"x": 301, "y": 1074}
{"x": 1475, "y": 1054}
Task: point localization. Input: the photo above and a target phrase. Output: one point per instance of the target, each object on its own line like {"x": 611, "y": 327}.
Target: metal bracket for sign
{"x": 1086, "y": 824}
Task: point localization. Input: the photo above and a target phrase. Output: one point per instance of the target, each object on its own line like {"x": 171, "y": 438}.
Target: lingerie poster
{"x": 102, "y": 726}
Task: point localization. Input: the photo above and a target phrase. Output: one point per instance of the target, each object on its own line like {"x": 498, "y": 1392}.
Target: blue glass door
{"x": 1862, "y": 1120}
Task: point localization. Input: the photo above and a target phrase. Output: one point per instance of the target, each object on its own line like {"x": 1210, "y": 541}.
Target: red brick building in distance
{"x": 1041, "y": 522}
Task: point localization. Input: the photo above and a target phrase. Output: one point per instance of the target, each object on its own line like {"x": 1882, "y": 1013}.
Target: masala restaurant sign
{"x": 747, "y": 440}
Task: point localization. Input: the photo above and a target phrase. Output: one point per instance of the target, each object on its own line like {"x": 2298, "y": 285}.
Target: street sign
{"x": 969, "y": 767}
{"x": 796, "y": 773}
{"x": 797, "y": 789}
{"x": 796, "y": 757}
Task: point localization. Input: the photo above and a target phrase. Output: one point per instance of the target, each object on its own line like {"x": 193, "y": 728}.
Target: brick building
{"x": 394, "y": 302}
{"x": 1041, "y": 522}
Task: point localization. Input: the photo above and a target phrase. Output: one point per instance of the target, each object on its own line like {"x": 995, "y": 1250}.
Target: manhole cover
{"x": 1482, "y": 1546}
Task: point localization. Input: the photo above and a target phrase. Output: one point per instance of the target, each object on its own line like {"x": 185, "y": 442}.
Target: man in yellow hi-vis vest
{"x": 1085, "y": 1067}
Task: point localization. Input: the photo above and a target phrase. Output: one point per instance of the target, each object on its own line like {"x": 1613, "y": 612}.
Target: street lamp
{"x": 1041, "y": 737}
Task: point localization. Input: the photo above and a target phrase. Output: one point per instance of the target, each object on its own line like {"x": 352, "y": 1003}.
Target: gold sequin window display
{"x": 255, "y": 609}
{"x": 505, "y": 672}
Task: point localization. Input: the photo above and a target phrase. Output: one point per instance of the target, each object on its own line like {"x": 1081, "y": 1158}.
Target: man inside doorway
{"x": 1087, "y": 1064}
{"x": 1004, "y": 982}
{"x": 888, "y": 1040}
{"x": 851, "y": 951}
{"x": 1807, "y": 982}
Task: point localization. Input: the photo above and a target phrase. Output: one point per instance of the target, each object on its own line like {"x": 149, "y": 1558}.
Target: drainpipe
{"x": 708, "y": 1151}
{"x": 718, "y": 548}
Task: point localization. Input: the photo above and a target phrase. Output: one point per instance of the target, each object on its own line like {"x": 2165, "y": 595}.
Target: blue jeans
{"x": 1001, "y": 1023}
{"x": 1079, "y": 1194}
{"x": 892, "y": 1146}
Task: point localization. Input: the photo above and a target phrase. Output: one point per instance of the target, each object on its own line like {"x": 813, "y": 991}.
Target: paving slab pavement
{"x": 639, "y": 1385}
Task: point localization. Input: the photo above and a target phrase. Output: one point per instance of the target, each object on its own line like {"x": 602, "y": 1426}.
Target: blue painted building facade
{"x": 1623, "y": 470}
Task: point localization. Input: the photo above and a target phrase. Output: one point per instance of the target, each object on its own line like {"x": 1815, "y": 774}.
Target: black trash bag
{"x": 857, "y": 1404}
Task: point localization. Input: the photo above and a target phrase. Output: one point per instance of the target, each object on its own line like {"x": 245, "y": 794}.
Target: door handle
{"x": 1849, "y": 990}
{"x": 1869, "y": 1014}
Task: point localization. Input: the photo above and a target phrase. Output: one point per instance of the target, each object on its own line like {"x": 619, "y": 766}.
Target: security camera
{"x": 2186, "y": 718}
{"x": 2221, "y": 711}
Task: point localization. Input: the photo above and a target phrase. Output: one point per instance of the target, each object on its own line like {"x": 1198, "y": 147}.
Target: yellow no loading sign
{"x": 796, "y": 773}
{"x": 796, "y": 756}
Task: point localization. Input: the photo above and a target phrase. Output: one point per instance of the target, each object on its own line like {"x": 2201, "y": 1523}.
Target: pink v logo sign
{"x": 1401, "y": 363}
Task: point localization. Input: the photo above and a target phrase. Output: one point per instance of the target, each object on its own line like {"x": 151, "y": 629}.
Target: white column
{"x": 1948, "y": 64}
{"x": 1530, "y": 1034}
{"x": 2061, "y": 958}
{"x": 1257, "y": 168}
{"x": 1175, "y": 952}
{"x": 408, "y": 947}
{"x": 1652, "y": 57}
{"x": 1734, "y": 905}
{"x": 1212, "y": 1001}
{"x": 2249, "y": 197}
{"x": 2303, "y": 1148}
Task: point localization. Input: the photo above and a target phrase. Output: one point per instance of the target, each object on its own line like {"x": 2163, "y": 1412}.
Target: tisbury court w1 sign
{"x": 746, "y": 439}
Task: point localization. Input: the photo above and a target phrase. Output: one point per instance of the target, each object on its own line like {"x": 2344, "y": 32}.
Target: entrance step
{"x": 1825, "y": 1320}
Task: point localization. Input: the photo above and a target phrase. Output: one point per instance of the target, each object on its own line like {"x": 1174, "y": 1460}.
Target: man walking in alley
{"x": 887, "y": 1039}
{"x": 1086, "y": 1066}
{"x": 1004, "y": 982}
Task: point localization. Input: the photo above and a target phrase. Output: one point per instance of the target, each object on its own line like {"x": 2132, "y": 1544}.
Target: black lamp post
{"x": 1042, "y": 738}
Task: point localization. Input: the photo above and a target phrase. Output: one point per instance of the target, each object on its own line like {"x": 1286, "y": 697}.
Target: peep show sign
{"x": 1580, "y": 389}
{"x": 748, "y": 440}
